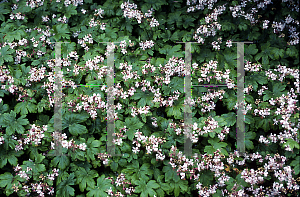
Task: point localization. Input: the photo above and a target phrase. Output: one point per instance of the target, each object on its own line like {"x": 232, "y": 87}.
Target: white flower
{"x": 135, "y": 149}
{"x": 229, "y": 43}
{"x": 82, "y": 146}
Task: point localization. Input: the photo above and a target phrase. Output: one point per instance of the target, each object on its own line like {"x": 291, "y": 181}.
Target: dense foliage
{"x": 149, "y": 98}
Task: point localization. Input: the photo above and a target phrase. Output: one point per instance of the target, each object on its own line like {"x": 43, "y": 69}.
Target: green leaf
{"x": 77, "y": 129}
{"x": 296, "y": 163}
{"x": 171, "y": 51}
{"x": 146, "y": 99}
{"x": 174, "y": 17}
{"x": 5, "y": 54}
{"x": 34, "y": 154}
{"x": 230, "y": 59}
{"x": 146, "y": 189}
{"x": 12, "y": 160}
{"x": 62, "y": 161}
{"x": 6, "y": 179}
{"x": 216, "y": 144}
{"x": 292, "y": 51}
{"x": 260, "y": 79}
{"x": 179, "y": 186}
{"x": 70, "y": 10}
{"x": 85, "y": 178}
{"x": 92, "y": 148}
{"x": 188, "y": 21}
{"x": 209, "y": 150}
{"x": 278, "y": 87}
{"x": 71, "y": 118}
{"x": 9, "y": 121}
{"x": 230, "y": 102}
{"x": 3, "y": 162}
{"x": 60, "y": 30}
{"x": 241, "y": 182}
{"x": 165, "y": 186}
{"x": 230, "y": 118}
{"x": 292, "y": 143}
{"x": 176, "y": 111}
{"x": 114, "y": 166}
{"x": 249, "y": 98}
{"x": 3, "y": 10}
{"x": 36, "y": 168}
{"x": 254, "y": 35}
{"x": 3, "y": 108}
{"x": 206, "y": 178}
{"x": 248, "y": 142}
{"x": 64, "y": 188}
{"x": 277, "y": 52}
{"x": 138, "y": 172}
{"x": 243, "y": 26}
{"x": 249, "y": 119}
{"x": 132, "y": 124}
{"x": 24, "y": 107}
{"x": 177, "y": 84}
{"x": 251, "y": 49}
{"x": 263, "y": 123}
{"x": 169, "y": 173}
{"x": 100, "y": 189}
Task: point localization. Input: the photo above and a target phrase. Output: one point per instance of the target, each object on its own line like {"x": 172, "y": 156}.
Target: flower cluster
{"x": 209, "y": 29}
{"x": 90, "y": 104}
{"x": 151, "y": 144}
{"x": 4, "y": 74}
{"x": 210, "y": 126}
{"x": 123, "y": 46}
{"x": 94, "y": 23}
{"x": 127, "y": 73}
{"x": 212, "y": 66}
{"x": 74, "y": 2}
{"x": 37, "y": 74}
{"x": 87, "y": 38}
{"x": 99, "y": 12}
{"x": 265, "y": 24}
{"x": 242, "y": 105}
{"x": 229, "y": 43}
{"x": 154, "y": 22}
{"x": 118, "y": 141}
{"x": 63, "y": 19}
{"x": 277, "y": 26}
{"x": 35, "y": 135}
{"x": 1, "y": 140}
{"x": 17, "y": 16}
{"x": 201, "y": 5}
{"x": 285, "y": 112}
{"x": 104, "y": 157}
{"x": 45, "y": 19}
{"x": 41, "y": 187}
{"x": 147, "y": 44}
{"x": 263, "y": 88}
{"x": 141, "y": 110}
{"x": 58, "y": 137}
{"x": 34, "y": 4}
{"x": 206, "y": 101}
{"x": 189, "y": 167}
{"x": 120, "y": 181}
{"x": 154, "y": 123}
{"x": 129, "y": 10}
{"x": 255, "y": 67}
{"x": 263, "y": 112}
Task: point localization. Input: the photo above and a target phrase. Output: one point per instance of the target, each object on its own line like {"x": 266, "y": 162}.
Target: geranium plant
{"x": 149, "y": 90}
